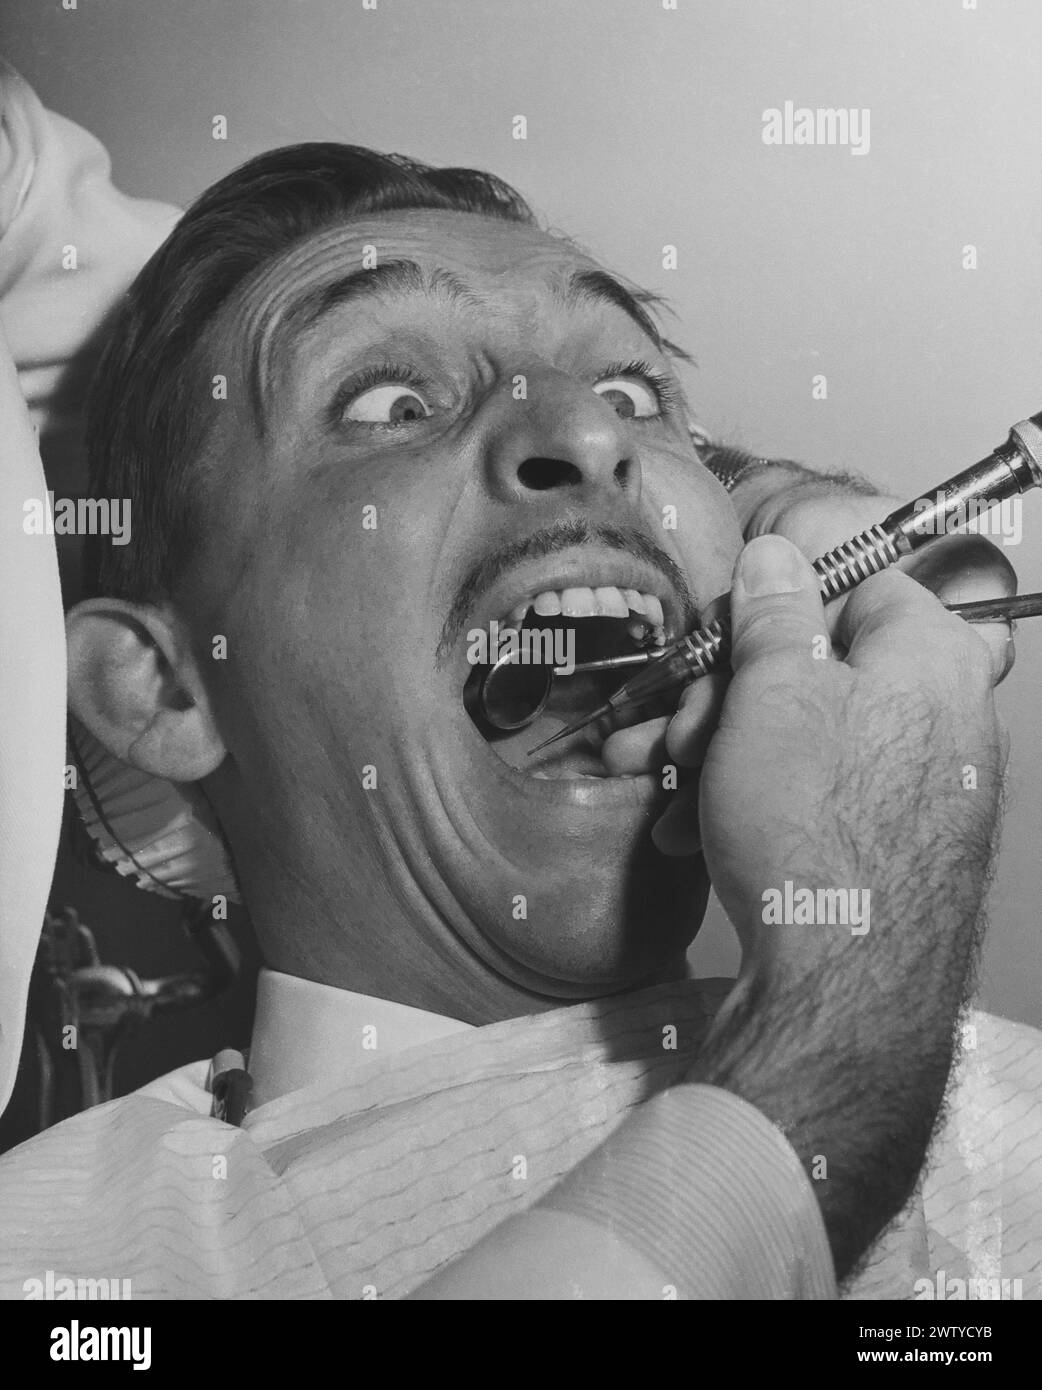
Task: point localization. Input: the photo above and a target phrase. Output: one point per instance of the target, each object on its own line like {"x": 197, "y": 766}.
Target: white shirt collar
{"x": 304, "y": 1032}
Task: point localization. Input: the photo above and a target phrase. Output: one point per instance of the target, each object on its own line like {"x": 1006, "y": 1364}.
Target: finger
{"x": 776, "y": 606}
{"x": 962, "y": 569}
{"x": 693, "y": 725}
{"x": 676, "y": 832}
{"x": 1004, "y": 746}
{"x": 681, "y": 738}
{"x": 640, "y": 748}
{"x": 892, "y": 618}
{"x": 718, "y": 607}
{"x": 999, "y": 640}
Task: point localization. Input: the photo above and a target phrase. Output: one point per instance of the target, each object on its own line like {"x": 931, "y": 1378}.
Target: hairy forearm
{"x": 859, "y": 1116}
{"x": 851, "y": 1059}
{"x": 844, "y": 1041}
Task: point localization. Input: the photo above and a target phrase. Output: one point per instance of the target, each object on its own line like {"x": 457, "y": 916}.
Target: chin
{"x": 610, "y": 917}
{"x": 603, "y": 911}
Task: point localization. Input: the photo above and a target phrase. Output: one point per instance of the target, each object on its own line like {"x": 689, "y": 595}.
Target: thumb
{"x": 776, "y": 604}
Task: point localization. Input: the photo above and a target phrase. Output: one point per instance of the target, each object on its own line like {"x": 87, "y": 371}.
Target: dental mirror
{"x": 509, "y": 696}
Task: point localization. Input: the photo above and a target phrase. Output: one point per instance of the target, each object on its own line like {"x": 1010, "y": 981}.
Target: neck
{"x": 379, "y": 948}
{"x": 371, "y": 921}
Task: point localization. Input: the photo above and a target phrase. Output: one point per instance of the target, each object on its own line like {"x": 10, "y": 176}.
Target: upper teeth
{"x": 606, "y": 602}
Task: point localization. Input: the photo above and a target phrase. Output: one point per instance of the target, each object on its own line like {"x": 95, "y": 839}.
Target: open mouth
{"x": 590, "y": 623}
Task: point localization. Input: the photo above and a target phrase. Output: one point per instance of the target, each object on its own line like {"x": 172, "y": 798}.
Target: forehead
{"x": 459, "y": 260}
{"x": 473, "y": 247}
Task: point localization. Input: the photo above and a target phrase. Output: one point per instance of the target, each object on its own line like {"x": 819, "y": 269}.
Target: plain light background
{"x": 644, "y": 129}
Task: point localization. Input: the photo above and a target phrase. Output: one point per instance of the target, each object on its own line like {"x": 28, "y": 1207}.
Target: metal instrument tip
{"x": 570, "y": 729}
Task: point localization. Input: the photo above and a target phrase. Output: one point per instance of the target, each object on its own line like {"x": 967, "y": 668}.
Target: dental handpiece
{"x": 1014, "y": 467}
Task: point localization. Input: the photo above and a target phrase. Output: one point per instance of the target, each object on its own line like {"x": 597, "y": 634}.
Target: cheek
{"x": 324, "y": 637}
{"x": 697, "y": 523}
{"x": 325, "y": 597}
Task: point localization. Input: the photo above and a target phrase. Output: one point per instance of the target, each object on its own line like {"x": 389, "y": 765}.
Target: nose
{"x": 560, "y": 438}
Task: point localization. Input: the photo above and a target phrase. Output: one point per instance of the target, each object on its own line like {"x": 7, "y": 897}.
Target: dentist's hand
{"x": 877, "y": 774}
{"x": 850, "y": 769}
{"x": 957, "y": 568}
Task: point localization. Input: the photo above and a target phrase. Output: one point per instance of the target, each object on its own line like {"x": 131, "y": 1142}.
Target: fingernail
{"x": 677, "y": 832}
{"x": 675, "y": 839}
{"x": 1010, "y": 657}
{"x": 770, "y": 565}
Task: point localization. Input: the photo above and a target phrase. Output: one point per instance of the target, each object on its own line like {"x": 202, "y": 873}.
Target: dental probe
{"x": 1014, "y": 467}
{"x": 1005, "y": 608}
{"x": 987, "y": 610}
{"x": 984, "y": 610}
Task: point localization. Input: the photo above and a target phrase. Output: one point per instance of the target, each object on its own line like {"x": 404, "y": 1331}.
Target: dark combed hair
{"x": 145, "y": 421}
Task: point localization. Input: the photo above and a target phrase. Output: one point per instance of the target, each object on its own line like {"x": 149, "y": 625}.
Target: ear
{"x": 134, "y": 683}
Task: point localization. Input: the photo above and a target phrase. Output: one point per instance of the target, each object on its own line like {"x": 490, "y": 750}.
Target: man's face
{"x": 467, "y": 431}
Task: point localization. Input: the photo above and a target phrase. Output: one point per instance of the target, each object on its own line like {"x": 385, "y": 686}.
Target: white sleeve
{"x": 55, "y": 196}
{"x": 70, "y": 244}
{"x": 695, "y": 1196}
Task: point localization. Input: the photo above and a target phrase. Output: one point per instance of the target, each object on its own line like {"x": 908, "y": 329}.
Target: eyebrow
{"x": 398, "y": 277}
{"x": 598, "y": 287}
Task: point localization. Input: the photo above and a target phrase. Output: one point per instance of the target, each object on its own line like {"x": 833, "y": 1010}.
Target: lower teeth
{"x": 569, "y": 777}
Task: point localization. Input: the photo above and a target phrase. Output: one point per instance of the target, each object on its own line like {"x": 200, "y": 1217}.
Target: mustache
{"x": 561, "y": 536}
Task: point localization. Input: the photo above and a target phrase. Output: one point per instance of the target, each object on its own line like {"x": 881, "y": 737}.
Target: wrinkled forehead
{"x": 504, "y": 270}
{"x": 480, "y": 251}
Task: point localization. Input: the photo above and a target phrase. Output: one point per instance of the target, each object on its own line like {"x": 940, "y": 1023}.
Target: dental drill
{"x": 1014, "y": 467}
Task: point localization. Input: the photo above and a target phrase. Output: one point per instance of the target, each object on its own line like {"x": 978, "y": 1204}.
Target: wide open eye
{"x": 389, "y": 404}
{"x": 632, "y": 399}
